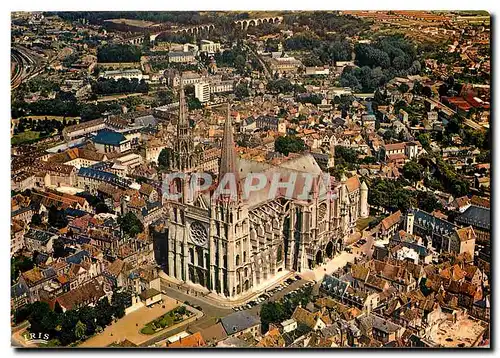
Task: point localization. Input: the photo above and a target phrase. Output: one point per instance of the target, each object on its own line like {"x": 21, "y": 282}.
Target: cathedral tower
{"x": 229, "y": 241}
{"x": 183, "y": 156}
{"x": 363, "y": 201}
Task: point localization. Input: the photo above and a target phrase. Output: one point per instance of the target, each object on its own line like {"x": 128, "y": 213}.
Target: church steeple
{"x": 183, "y": 156}
{"x": 183, "y": 123}
{"x": 228, "y": 171}
{"x": 228, "y": 153}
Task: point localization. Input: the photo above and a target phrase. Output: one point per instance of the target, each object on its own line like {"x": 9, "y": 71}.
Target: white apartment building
{"x": 128, "y": 74}
{"x": 209, "y": 46}
{"x": 202, "y": 91}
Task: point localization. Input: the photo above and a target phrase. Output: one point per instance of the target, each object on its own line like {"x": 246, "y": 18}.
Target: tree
{"x": 80, "y": 330}
{"x": 239, "y": 63}
{"x": 19, "y": 264}
{"x": 241, "y": 91}
{"x": 193, "y": 103}
{"x": 164, "y": 158}
{"x": 427, "y": 201}
{"x": 427, "y": 92}
{"x": 39, "y": 310}
{"x": 288, "y": 144}
{"x": 57, "y": 218}
{"x": 403, "y": 88}
{"x": 101, "y": 207}
{"x": 69, "y": 320}
{"x": 118, "y": 53}
{"x": 119, "y": 302}
{"x": 58, "y": 247}
{"x": 130, "y": 225}
{"x": 443, "y": 90}
{"x": 87, "y": 315}
{"x": 103, "y": 313}
{"x": 271, "y": 312}
{"x": 413, "y": 171}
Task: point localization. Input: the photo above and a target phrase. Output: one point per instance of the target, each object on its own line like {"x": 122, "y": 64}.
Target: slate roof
{"x": 238, "y": 321}
{"x": 334, "y": 285}
{"x": 78, "y": 257}
{"x": 430, "y": 222}
{"x": 103, "y": 176}
{"x": 38, "y": 235}
{"x": 109, "y": 137}
{"x": 476, "y": 216}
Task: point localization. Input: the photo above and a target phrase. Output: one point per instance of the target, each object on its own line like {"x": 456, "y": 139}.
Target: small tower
{"x": 410, "y": 218}
{"x": 331, "y": 156}
{"x": 363, "y": 205}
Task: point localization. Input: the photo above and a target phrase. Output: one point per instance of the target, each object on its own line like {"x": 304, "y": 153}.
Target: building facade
{"x": 231, "y": 244}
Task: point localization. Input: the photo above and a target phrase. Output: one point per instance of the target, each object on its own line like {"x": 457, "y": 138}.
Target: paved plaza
{"x": 129, "y": 326}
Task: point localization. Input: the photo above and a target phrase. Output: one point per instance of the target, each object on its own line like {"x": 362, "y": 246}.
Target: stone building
{"x": 231, "y": 244}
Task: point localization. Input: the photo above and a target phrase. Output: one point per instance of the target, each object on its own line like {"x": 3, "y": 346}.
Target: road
{"x": 212, "y": 312}
{"x": 254, "y": 54}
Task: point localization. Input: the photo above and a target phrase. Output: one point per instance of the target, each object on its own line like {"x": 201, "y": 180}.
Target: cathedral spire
{"x": 228, "y": 153}
{"x": 229, "y": 189}
{"x": 183, "y": 122}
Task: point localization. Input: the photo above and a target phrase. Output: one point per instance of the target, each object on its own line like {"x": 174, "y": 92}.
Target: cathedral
{"x": 230, "y": 245}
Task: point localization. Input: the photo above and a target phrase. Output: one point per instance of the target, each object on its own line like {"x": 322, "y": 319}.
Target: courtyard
{"x": 129, "y": 326}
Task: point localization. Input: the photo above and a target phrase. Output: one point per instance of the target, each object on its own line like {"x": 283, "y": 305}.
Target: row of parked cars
{"x": 268, "y": 294}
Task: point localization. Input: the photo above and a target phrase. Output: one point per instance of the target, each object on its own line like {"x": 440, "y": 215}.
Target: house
{"x": 107, "y": 141}
{"x": 389, "y": 225}
{"x": 461, "y": 204}
{"x": 239, "y": 323}
{"x": 193, "y": 341}
{"x": 463, "y": 241}
{"x": 315, "y": 321}
{"x": 380, "y": 329}
{"x": 34, "y": 280}
{"x": 480, "y": 219}
{"x": 272, "y": 339}
{"x": 181, "y": 56}
{"x": 88, "y": 294}
{"x": 39, "y": 240}
{"x": 150, "y": 296}
{"x": 213, "y": 334}
{"x": 17, "y": 243}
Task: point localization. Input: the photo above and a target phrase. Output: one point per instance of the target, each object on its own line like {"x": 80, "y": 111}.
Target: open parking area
{"x": 277, "y": 292}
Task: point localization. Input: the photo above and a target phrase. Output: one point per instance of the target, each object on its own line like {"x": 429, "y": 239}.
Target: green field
{"x": 25, "y": 137}
{"x": 170, "y": 318}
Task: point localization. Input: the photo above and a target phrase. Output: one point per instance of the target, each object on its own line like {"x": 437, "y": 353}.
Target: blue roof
{"x": 109, "y": 137}
{"x": 476, "y": 216}
{"x": 78, "y": 257}
{"x": 18, "y": 290}
{"x": 103, "y": 176}
{"x": 238, "y": 321}
{"x": 74, "y": 212}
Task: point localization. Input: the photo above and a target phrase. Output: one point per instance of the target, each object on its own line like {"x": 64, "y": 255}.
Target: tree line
{"x": 118, "y": 53}
{"x": 379, "y": 62}
{"x": 121, "y": 85}
{"x": 75, "y": 325}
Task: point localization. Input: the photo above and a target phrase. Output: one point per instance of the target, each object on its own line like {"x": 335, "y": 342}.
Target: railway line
{"x": 24, "y": 66}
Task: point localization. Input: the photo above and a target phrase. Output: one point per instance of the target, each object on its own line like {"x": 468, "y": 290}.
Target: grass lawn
{"x": 362, "y": 224}
{"x": 25, "y": 137}
{"x": 170, "y": 318}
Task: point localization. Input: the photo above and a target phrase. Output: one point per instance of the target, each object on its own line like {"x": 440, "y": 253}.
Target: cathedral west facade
{"x": 233, "y": 245}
